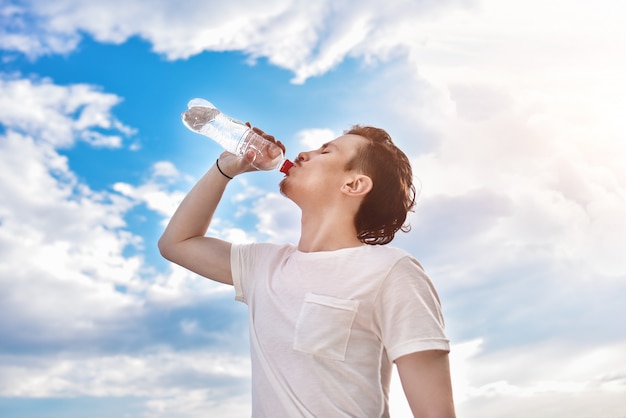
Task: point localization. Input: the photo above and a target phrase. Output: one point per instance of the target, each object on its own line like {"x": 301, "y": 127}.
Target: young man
{"x": 330, "y": 316}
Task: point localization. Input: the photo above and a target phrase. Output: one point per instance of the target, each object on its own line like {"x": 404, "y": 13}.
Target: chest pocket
{"x": 324, "y": 324}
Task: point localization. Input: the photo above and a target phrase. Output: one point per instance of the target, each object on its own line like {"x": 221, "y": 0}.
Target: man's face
{"x": 318, "y": 175}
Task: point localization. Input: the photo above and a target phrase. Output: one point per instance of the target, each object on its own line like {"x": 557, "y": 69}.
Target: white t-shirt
{"x": 325, "y": 327}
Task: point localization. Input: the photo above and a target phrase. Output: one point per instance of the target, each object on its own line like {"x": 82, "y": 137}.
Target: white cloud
{"x": 154, "y": 195}
{"x": 62, "y": 242}
{"x": 562, "y": 195}
{"x": 165, "y": 169}
{"x": 278, "y": 218}
{"x": 307, "y": 38}
{"x": 66, "y": 282}
{"x": 159, "y": 194}
{"x": 544, "y": 380}
{"x": 60, "y": 115}
{"x": 452, "y": 41}
{"x": 64, "y": 268}
{"x": 311, "y": 139}
{"x": 174, "y": 383}
{"x": 18, "y": 35}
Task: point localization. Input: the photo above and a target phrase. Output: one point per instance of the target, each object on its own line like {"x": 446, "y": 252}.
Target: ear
{"x": 357, "y": 185}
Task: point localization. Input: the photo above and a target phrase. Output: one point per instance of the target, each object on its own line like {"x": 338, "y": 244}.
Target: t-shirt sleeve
{"x": 252, "y": 262}
{"x": 240, "y": 259}
{"x": 407, "y": 312}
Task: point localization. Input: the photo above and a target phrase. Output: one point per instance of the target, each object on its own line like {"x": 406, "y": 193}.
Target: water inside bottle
{"x": 234, "y": 136}
{"x": 198, "y": 116}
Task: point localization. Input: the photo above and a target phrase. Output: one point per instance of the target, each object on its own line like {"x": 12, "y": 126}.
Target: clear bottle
{"x": 234, "y": 136}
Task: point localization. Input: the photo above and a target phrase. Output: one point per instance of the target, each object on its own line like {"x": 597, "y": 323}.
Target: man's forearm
{"x": 194, "y": 215}
{"x": 183, "y": 241}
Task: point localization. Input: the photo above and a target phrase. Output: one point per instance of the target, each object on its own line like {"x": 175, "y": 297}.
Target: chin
{"x": 287, "y": 189}
{"x": 283, "y": 187}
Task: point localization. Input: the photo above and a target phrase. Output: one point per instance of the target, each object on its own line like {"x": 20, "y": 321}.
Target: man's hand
{"x": 233, "y": 165}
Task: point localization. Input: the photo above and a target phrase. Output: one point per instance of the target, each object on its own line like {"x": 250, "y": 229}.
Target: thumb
{"x": 250, "y": 156}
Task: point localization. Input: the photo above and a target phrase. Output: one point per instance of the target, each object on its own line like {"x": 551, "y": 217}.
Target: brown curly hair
{"x": 384, "y": 209}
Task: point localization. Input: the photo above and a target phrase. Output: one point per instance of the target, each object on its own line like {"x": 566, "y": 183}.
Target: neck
{"x": 327, "y": 232}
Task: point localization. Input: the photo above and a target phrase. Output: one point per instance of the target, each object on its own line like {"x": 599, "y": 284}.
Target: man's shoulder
{"x": 386, "y": 251}
{"x": 391, "y": 255}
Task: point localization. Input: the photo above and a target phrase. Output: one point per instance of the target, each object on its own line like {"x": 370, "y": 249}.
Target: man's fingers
{"x": 269, "y": 137}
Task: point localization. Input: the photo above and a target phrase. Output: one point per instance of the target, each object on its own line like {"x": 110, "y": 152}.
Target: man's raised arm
{"x": 183, "y": 241}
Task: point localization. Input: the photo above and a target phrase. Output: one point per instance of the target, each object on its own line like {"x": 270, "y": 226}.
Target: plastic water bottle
{"x": 234, "y": 136}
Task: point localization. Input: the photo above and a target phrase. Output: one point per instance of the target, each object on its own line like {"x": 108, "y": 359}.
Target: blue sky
{"x": 511, "y": 113}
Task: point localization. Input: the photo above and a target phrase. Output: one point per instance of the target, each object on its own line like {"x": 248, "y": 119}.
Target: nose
{"x": 303, "y": 156}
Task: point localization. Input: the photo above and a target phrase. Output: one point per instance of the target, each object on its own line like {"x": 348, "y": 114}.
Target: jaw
{"x": 282, "y": 187}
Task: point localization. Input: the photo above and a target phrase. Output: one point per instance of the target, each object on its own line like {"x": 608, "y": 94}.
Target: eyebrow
{"x": 328, "y": 144}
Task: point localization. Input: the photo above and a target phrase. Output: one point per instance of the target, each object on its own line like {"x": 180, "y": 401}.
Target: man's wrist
{"x": 217, "y": 164}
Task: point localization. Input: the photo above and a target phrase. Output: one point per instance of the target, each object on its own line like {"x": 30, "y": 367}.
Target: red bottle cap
{"x": 286, "y": 166}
